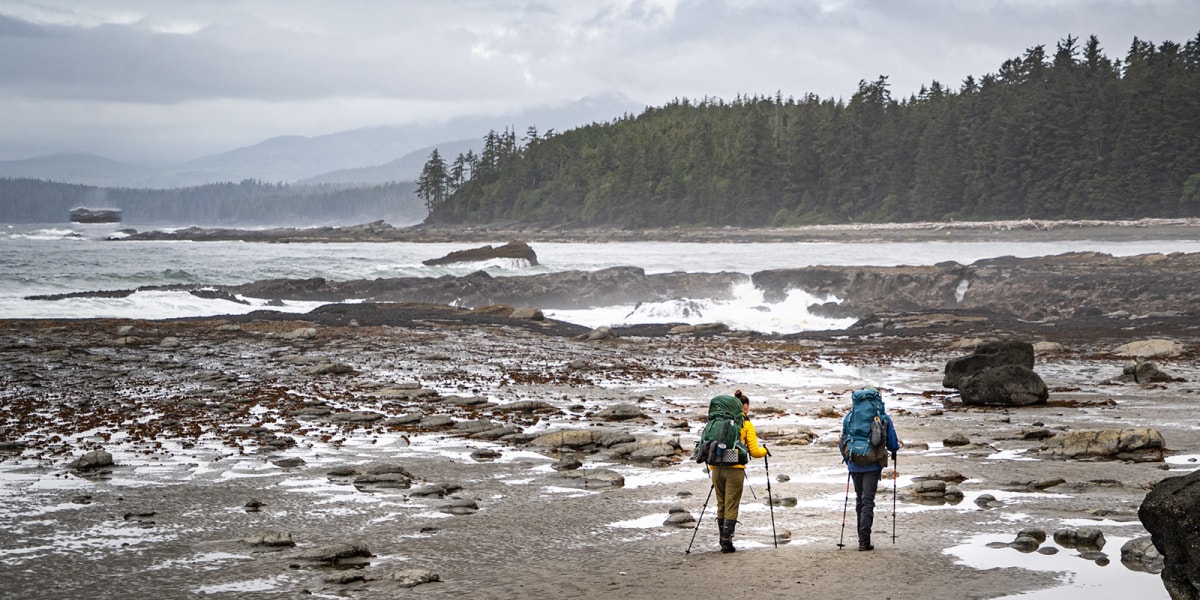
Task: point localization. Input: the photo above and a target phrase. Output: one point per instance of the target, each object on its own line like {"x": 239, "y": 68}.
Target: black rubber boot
{"x": 721, "y": 531}
{"x": 727, "y": 536}
{"x": 864, "y": 543}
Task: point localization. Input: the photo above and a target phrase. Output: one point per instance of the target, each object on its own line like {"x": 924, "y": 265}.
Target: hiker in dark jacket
{"x": 728, "y": 481}
{"x": 866, "y": 477}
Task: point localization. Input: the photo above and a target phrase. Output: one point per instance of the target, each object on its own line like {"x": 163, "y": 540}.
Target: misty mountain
{"x": 76, "y": 168}
{"x": 405, "y": 168}
{"x": 370, "y": 152}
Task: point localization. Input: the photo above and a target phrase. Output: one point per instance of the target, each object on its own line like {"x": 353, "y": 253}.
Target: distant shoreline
{"x": 1007, "y": 231}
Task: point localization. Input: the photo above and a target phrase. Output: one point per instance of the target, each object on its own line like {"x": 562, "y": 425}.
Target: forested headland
{"x": 250, "y": 202}
{"x": 1070, "y": 134}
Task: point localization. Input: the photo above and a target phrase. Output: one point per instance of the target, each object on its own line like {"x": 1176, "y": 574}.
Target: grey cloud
{"x": 129, "y": 63}
{"x": 103, "y": 69}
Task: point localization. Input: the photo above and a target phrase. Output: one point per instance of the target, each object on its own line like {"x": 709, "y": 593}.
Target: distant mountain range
{"x": 369, "y": 155}
{"x": 405, "y": 168}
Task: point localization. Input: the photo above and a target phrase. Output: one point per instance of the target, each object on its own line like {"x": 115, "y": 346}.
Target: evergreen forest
{"x": 1067, "y": 134}
{"x": 251, "y": 202}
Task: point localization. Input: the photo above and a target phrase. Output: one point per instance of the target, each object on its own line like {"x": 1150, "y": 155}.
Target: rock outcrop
{"x": 1051, "y": 287}
{"x": 512, "y": 250}
{"x": 101, "y": 215}
{"x": 1046, "y": 289}
{"x": 564, "y": 290}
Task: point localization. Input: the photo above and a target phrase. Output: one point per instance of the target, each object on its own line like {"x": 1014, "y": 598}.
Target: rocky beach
{"x": 401, "y": 447}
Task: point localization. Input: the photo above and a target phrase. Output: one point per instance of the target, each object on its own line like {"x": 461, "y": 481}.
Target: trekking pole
{"x": 702, "y": 508}
{"x": 844, "y": 506}
{"x": 895, "y": 475}
{"x": 771, "y": 501}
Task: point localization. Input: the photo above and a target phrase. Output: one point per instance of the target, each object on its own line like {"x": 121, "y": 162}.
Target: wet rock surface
{"x": 1149, "y": 293}
{"x": 1053, "y": 287}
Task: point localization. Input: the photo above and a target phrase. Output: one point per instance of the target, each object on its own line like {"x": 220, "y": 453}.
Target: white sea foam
{"x": 745, "y": 311}
{"x": 140, "y": 305}
{"x": 46, "y": 234}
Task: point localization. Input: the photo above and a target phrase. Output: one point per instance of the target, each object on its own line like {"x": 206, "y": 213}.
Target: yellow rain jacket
{"x": 750, "y": 439}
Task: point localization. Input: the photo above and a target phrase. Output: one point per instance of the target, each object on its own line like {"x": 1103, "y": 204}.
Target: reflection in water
{"x": 1089, "y": 570}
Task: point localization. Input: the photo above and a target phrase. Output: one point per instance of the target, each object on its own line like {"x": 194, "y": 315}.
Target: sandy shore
{"x": 194, "y": 412}
{"x": 1016, "y": 230}
{"x": 998, "y": 231}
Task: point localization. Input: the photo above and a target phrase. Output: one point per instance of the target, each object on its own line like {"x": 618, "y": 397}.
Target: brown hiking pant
{"x": 727, "y": 482}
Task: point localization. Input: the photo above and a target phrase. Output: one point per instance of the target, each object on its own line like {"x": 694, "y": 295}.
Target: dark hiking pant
{"x": 727, "y": 482}
{"x": 865, "y": 486}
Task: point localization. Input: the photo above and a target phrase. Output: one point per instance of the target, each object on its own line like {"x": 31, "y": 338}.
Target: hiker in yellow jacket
{"x": 728, "y": 481}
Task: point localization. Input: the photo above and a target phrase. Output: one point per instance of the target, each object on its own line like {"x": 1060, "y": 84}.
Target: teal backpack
{"x": 864, "y": 430}
{"x": 720, "y": 443}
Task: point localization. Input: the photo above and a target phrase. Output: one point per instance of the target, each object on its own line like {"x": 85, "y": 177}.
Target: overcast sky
{"x": 177, "y": 79}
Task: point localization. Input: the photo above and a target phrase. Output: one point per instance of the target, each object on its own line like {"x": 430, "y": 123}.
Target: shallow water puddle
{"x": 208, "y": 561}
{"x": 566, "y": 492}
{"x": 1184, "y": 462}
{"x": 1008, "y": 499}
{"x": 646, "y": 522}
{"x": 636, "y": 477}
{"x": 1083, "y": 579}
{"x": 1014, "y": 454}
{"x": 253, "y": 585}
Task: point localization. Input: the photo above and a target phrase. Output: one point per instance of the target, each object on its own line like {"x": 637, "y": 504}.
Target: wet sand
{"x": 185, "y": 421}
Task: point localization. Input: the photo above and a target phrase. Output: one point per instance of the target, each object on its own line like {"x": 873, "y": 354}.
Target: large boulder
{"x": 1007, "y": 385}
{"x": 1171, "y": 513}
{"x": 987, "y": 355}
{"x": 1139, "y": 444}
{"x": 96, "y": 459}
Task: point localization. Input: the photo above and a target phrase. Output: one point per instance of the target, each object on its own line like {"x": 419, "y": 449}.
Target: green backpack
{"x": 720, "y": 443}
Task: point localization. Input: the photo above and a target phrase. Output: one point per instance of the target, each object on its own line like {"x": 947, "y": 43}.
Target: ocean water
{"x": 68, "y": 257}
